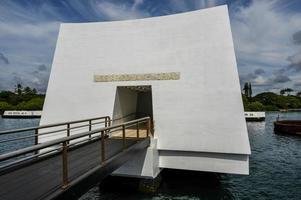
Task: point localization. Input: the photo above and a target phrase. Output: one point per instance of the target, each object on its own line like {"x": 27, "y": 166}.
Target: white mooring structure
{"x": 179, "y": 69}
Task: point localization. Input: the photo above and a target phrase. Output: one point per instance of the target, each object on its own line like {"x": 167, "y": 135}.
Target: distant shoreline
{"x": 268, "y": 101}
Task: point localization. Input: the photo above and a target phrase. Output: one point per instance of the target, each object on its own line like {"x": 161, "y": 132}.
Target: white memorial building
{"x": 179, "y": 69}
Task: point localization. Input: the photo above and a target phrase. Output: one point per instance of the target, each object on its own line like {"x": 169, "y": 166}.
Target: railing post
{"x": 137, "y": 130}
{"x": 65, "y": 165}
{"x": 68, "y": 131}
{"x": 123, "y": 136}
{"x": 90, "y": 127}
{"x": 148, "y": 128}
{"x": 106, "y": 123}
{"x": 103, "y": 153}
{"x": 152, "y": 126}
{"x": 36, "y": 138}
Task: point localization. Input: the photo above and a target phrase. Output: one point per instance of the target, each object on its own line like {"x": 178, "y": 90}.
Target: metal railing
{"x": 100, "y": 134}
{"x": 68, "y": 128}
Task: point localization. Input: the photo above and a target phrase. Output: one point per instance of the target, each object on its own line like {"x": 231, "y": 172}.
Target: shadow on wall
{"x": 132, "y": 102}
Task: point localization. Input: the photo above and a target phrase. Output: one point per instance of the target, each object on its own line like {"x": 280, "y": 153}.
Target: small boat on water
{"x": 255, "y": 116}
{"x": 288, "y": 127}
{"x": 22, "y": 114}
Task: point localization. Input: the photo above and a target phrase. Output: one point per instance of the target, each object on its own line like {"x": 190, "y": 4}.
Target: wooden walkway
{"x": 43, "y": 179}
{"x": 67, "y": 167}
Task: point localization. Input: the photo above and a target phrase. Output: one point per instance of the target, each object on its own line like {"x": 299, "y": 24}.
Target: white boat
{"x": 22, "y": 114}
{"x": 255, "y": 116}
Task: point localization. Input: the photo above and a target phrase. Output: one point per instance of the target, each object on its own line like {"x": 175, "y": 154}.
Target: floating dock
{"x": 22, "y": 114}
{"x": 255, "y": 116}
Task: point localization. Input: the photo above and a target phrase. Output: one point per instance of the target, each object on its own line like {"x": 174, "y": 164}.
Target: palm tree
{"x": 248, "y": 89}
{"x": 289, "y": 90}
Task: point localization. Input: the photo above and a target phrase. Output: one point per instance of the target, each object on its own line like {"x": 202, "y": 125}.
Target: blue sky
{"x": 266, "y": 33}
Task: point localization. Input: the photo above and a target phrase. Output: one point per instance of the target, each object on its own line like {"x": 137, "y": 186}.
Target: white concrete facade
{"x": 198, "y": 120}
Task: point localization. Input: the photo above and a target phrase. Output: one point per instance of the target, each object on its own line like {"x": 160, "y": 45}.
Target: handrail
{"x": 62, "y": 123}
{"x": 38, "y": 147}
{"x": 49, "y": 125}
{"x": 51, "y": 132}
{"x": 37, "y": 128}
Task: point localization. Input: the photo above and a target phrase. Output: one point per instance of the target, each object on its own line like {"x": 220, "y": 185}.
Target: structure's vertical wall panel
{"x": 145, "y": 164}
{"x": 209, "y": 162}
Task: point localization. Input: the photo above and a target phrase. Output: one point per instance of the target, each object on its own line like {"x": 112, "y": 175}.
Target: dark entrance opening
{"x": 132, "y": 102}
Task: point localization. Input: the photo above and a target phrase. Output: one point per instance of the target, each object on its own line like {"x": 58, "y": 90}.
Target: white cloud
{"x": 136, "y": 4}
{"x": 27, "y": 40}
{"x": 184, "y": 6}
{"x": 121, "y": 11}
{"x": 262, "y": 35}
{"x": 27, "y": 30}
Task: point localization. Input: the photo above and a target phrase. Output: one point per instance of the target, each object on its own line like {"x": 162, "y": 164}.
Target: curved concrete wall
{"x": 200, "y": 112}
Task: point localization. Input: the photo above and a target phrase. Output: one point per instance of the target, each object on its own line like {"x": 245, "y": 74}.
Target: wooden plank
{"x": 130, "y": 133}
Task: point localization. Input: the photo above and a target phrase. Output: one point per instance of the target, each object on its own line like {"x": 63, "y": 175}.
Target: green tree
{"x": 271, "y": 108}
{"x": 286, "y": 90}
{"x": 5, "y": 106}
{"x": 27, "y": 91}
{"x": 23, "y": 98}
{"x": 245, "y": 102}
{"x": 289, "y": 90}
{"x": 33, "y": 104}
{"x": 4, "y": 95}
{"x": 34, "y": 91}
{"x": 245, "y": 89}
{"x": 256, "y": 106}
{"x": 19, "y": 89}
{"x": 282, "y": 92}
{"x": 248, "y": 90}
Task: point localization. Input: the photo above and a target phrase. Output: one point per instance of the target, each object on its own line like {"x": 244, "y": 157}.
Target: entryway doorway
{"x": 132, "y": 102}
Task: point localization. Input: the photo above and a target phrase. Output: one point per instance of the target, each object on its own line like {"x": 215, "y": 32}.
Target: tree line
{"x": 269, "y": 101}
{"x": 26, "y": 98}
{"x": 22, "y": 98}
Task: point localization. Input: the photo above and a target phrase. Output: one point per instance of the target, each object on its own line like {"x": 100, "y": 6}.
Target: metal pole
{"x": 103, "y": 153}
{"x": 36, "y": 138}
{"x": 148, "y": 128}
{"x": 152, "y": 126}
{"x": 109, "y": 121}
{"x": 65, "y": 165}
{"x": 106, "y": 124}
{"x": 90, "y": 127}
{"x": 137, "y": 130}
{"x": 123, "y": 136}
{"x": 68, "y": 131}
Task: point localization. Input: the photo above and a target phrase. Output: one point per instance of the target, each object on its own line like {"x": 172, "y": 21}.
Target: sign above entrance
{"x": 137, "y": 77}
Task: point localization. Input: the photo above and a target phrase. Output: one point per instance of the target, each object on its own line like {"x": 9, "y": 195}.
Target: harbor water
{"x": 275, "y": 170}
